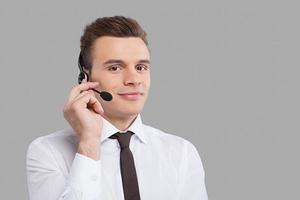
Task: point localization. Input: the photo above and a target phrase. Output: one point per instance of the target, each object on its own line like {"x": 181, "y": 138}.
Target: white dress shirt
{"x": 167, "y": 166}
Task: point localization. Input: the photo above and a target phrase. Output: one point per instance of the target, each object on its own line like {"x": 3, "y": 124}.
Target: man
{"x": 91, "y": 159}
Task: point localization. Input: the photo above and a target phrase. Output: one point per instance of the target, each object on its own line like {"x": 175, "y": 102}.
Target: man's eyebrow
{"x": 144, "y": 61}
{"x": 114, "y": 61}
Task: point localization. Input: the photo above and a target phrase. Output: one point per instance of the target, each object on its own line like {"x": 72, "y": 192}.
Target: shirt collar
{"x": 136, "y": 127}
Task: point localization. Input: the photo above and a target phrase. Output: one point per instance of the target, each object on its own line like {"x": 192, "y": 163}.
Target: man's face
{"x": 121, "y": 65}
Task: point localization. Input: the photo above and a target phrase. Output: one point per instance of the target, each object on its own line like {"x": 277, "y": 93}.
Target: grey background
{"x": 225, "y": 76}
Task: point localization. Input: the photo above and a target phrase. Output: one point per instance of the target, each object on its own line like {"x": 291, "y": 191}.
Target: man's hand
{"x": 83, "y": 112}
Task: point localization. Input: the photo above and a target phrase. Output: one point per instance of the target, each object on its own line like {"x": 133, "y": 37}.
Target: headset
{"x": 104, "y": 95}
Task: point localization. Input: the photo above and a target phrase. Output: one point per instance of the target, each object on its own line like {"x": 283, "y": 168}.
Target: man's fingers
{"x": 76, "y": 90}
{"x": 79, "y": 96}
{"x": 89, "y": 100}
{"x": 96, "y": 105}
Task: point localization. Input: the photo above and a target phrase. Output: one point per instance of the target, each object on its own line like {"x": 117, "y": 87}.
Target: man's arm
{"x": 46, "y": 180}
{"x": 192, "y": 184}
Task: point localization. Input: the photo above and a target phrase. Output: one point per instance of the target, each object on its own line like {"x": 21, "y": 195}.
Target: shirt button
{"x": 94, "y": 178}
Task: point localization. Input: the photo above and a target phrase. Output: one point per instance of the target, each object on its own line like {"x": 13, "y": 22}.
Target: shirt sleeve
{"x": 192, "y": 184}
{"x": 46, "y": 181}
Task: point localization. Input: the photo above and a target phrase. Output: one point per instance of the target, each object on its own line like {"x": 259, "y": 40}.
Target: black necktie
{"x": 129, "y": 178}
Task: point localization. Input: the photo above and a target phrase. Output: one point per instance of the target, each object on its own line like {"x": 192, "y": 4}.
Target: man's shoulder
{"x": 59, "y": 137}
{"x": 53, "y": 150}
{"x": 164, "y": 137}
{"x": 170, "y": 145}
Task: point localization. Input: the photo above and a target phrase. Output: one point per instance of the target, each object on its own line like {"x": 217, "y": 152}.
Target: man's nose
{"x": 132, "y": 77}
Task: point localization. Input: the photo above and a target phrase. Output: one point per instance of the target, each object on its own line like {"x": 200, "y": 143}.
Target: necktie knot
{"x": 123, "y": 138}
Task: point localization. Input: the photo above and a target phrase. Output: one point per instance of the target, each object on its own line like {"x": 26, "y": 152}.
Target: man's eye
{"x": 114, "y": 67}
{"x": 141, "y": 67}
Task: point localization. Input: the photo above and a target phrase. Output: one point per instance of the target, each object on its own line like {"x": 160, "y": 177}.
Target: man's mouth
{"x": 131, "y": 96}
{"x": 130, "y": 93}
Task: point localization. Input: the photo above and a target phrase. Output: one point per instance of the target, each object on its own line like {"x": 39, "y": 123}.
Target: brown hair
{"x": 117, "y": 26}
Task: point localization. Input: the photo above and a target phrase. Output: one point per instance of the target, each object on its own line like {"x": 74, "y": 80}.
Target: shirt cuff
{"x": 85, "y": 174}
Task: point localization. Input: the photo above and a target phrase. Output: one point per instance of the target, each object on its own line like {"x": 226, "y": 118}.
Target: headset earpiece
{"x": 82, "y": 75}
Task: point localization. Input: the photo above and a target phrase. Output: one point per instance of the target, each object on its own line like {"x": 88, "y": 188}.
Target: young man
{"x": 108, "y": 153}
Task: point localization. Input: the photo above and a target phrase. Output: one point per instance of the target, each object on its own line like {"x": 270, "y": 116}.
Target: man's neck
{"x": 121, "y": 123}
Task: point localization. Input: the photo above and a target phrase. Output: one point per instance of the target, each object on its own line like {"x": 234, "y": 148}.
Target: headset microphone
{"x": 104, "y": 95}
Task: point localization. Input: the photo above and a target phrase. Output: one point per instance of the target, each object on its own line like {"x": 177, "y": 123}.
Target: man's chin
{"x": 125, "y": 113}
{"x": 131, "y": 113}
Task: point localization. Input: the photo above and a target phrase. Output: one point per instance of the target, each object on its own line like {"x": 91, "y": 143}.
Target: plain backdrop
{"x": 225, "y": 76}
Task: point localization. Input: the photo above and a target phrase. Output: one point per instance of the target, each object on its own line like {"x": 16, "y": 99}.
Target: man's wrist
{"x": 90, "y": 148}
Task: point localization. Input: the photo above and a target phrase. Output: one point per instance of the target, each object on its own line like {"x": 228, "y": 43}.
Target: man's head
{"x": 115, "y": 53}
